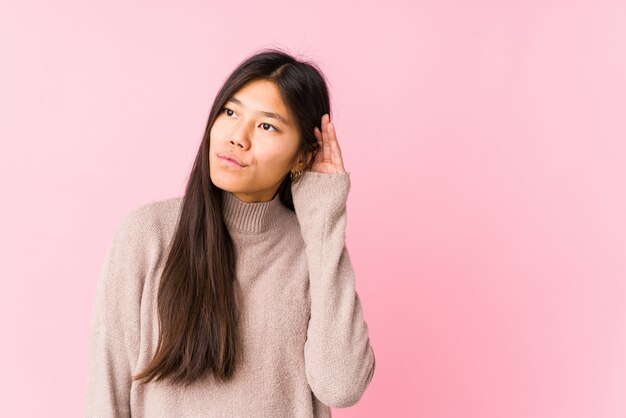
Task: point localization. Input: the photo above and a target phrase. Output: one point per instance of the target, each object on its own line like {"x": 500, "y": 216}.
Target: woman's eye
{"x": 267, "y": 124}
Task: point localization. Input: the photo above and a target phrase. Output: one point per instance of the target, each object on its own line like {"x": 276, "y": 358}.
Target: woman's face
{"x": 256, "y": 128}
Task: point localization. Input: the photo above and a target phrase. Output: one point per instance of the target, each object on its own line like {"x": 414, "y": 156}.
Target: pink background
{"x": 486, "y": 142}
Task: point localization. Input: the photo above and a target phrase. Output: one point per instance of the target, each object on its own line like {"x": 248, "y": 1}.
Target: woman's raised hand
{"x": 328, "y": 157}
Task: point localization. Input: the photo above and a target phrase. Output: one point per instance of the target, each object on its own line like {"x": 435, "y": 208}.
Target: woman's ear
{"x": 304, "y": 161}
{"x": 310, "y": 156}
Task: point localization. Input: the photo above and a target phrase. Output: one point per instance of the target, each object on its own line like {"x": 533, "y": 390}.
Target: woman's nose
{"x": 242, "y": 144}
{"x": 240, "y": 136}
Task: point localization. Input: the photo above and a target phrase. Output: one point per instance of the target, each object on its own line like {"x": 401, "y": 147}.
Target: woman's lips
{"x": 229, "y": 162}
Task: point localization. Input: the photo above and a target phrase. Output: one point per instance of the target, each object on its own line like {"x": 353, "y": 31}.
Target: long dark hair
{"x": 198, "y": 298}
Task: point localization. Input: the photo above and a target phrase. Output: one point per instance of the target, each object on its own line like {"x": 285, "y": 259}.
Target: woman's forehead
{"x": 262, "y": 97}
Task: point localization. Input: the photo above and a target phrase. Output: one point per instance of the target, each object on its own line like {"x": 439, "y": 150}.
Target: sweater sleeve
{"x": 113, "y": 344}
{"x": 339, "y": 360}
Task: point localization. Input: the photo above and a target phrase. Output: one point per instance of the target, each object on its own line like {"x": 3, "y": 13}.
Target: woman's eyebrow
{"x": 268, "y": 114}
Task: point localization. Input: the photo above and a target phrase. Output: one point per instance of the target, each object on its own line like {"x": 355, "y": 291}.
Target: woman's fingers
{"x": 326, "y": 145}
{"x": 330, "y": 151}
{"x": 318, "y": 134}
{"x": 335, "y": 150}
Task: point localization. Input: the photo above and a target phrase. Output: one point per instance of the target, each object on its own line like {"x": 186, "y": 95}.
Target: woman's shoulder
{"x": 153, "y": 219}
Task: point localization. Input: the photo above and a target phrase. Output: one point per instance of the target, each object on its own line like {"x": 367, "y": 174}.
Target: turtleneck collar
{"x": 252, "y": 217}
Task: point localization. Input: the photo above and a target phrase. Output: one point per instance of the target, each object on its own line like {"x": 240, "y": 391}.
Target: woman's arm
{"x": 113, "y": 344}
{"x": 339, "y": 359}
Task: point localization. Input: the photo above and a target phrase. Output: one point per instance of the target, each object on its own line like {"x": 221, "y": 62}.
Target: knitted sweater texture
{"x": 305, "y": 342}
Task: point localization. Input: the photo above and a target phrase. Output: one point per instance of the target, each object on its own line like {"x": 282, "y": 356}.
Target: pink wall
{"x": 486, "y": 142}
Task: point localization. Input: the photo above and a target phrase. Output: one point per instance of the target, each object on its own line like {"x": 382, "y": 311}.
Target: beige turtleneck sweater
{"x": 305, "y": 341}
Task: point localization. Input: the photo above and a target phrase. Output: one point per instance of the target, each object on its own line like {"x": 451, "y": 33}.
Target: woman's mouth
{"x": 229, "y": 162}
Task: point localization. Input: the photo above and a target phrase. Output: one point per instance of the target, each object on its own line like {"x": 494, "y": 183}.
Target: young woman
{"x": 238, "y": 299}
